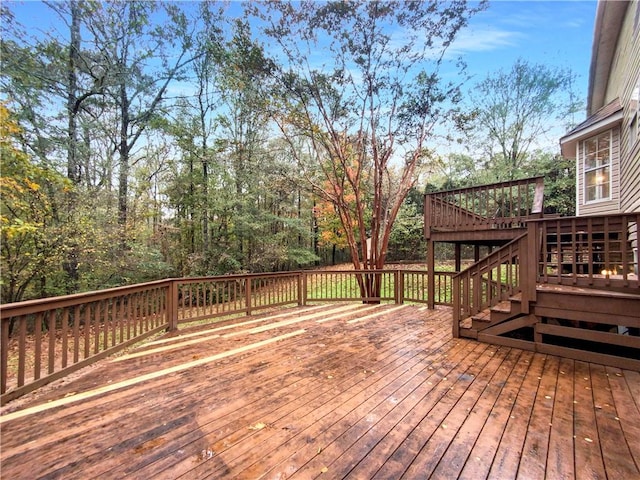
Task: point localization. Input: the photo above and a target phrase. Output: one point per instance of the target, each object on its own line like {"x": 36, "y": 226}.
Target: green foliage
{"x": 407, "y": 236}
{"x": 513, "y": 112}
{"x": 31, "y": 238}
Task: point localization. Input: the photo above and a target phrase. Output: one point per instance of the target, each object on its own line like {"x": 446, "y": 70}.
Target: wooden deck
{"x": 332, "y": 391}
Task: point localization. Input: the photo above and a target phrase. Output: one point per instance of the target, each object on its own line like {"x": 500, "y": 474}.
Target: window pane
{"x": 603, "y": 178}
{"x": 603, "y": 142}
{"x": 597, "y": 184}
{"x": 597, "y": 151}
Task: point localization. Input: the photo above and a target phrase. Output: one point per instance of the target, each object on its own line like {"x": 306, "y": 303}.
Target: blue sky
{"x": 554, "y": 33}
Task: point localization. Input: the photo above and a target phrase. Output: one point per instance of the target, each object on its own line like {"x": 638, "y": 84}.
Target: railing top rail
{"x": 390, "y": 270}
{"x": 50, "y": 303}
{"x": 583, "y": 218}
{"x": 28, "y": 306}
{"x": 237, "y": 276}
{"x": 489, "y": 186}
{"x": 489, "y": 258}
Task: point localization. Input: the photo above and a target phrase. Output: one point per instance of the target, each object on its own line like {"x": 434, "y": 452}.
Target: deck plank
{"x": 343, "y": 379}
{"x": 481, "y": 457}
{"x": 337, "y": 391}
{"x": 510, "y": 449}
{"x": 561, "y": 438}
{"x": 626, "y": 410}
{"x": 618, "y": 460}
{"x": 466, "y": 411}
{"x": 460, "y": 447}
{"x": 454, "y": 387}
{"x": 588, "y": 456}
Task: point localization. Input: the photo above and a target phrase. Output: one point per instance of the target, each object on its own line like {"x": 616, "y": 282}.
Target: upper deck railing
{"x": 499, "y": 205}
{"x": 43, "y": 340}
{"x": 593, "y": 252}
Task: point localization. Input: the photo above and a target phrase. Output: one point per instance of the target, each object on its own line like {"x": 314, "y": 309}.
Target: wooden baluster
{"x": 38, "y": 346}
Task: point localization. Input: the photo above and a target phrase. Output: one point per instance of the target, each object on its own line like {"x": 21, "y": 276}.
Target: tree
{"x": 513, "y": 111}
{"x": 31, "y": 239}
{"x": 361, "y": 83}
{"x": 140, "y": 60}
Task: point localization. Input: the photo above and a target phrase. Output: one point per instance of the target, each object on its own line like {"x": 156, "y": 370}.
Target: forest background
{"x": 147, "y": 140}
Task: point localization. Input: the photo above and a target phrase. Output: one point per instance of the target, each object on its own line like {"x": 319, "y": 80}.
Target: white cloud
{"x": 484, "y": 40}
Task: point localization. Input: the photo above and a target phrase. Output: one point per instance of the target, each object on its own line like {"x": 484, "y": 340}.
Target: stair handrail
{"x": 468, "y": 285}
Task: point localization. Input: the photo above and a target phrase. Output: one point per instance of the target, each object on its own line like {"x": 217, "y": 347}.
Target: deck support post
{"x": 458, "y": 254}
{"x": 431, "y": 274}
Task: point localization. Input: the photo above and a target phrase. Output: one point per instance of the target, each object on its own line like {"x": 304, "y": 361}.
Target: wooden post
{"x": 533, "y": 247}
{"x": 431, "y": 275}
{"x": 247, "y": 294}
{"x": 302, "y": 289}
{"x": 172, "y": 305}
{"x": 456, "y": 308}
{"x": 525, "y": 280}
{"x": 399, "y": 284}
{"x": 458, "y": 254}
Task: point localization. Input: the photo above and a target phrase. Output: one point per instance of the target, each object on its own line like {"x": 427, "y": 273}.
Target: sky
{"x": 555, "y": 33}
{"x": 552, "y": 32}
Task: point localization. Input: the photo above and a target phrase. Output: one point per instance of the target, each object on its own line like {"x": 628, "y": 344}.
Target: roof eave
{"x": 568, "y": 143}
{"x": 608, "y": 24}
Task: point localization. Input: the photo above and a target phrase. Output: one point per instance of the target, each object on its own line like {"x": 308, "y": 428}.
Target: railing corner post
{"x": 172, "y": 305}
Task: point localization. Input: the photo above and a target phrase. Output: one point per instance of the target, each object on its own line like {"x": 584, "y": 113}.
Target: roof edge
{"x": 607, "y": 27}
{"x": 605, "y": 118}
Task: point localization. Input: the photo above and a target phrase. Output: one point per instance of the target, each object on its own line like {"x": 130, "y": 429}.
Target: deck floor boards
{"x": 339, "y": 391}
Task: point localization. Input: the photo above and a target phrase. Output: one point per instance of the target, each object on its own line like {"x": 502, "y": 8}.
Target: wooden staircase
{"x": 518, "y": 296}
{"x": 499, "y": 314}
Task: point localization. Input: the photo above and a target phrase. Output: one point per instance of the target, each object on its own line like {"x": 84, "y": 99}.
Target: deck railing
{"x": 43, "y": 340}
{"x": 501, "y": 274}
{"x": 594, "y": 252}
{"x": 499, "y": 205}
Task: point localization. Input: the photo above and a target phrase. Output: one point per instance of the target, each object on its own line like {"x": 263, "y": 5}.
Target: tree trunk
{"x": 123, "y": 151}
{"x": 70, "y": 264}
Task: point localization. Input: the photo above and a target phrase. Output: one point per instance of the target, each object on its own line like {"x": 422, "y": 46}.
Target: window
{"x": 596, "y": 153}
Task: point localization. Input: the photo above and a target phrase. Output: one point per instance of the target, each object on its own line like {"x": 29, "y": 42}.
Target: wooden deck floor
{"x": 333, "y": 391}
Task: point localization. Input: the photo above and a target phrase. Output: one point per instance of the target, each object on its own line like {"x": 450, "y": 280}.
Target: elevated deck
{"x": 342, "y": 391}
{"x": 483, "y": 215}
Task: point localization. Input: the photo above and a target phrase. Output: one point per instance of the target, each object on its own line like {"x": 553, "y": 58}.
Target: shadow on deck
{"x": 339, "y": 391}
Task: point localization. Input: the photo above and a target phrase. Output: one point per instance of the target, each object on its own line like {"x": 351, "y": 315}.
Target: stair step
{"x": 484, "y": 316}
{"x": 502, "y": 307}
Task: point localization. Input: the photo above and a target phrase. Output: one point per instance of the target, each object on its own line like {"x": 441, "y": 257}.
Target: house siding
{"x": 602, "y": 207}
{"x": 623, "y": 78}
{"x": 626, "y": 69}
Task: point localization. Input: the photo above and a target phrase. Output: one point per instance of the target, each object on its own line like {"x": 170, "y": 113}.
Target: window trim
{"x": 586, "y": 170}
